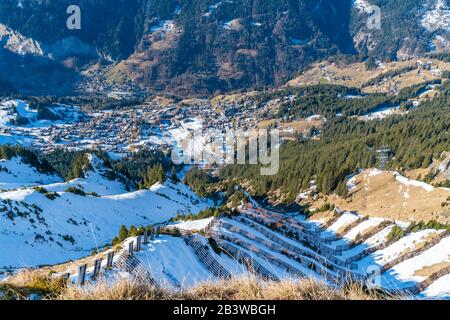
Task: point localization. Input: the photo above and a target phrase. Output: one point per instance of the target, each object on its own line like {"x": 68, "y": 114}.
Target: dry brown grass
{"x": 27, "y": 282}
{"x": 356, "y": 74}
{"x": 120, "y": 290}
{"x": 42, "y": 285}
{"x": 237, "y": 289}
{"x": 300, "y": 126}
{"x": 429, "y": 270}
{"x": 382, "y": 196}
{"x": 324, "y": 216}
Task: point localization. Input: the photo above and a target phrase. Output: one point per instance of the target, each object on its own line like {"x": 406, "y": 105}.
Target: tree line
{"x": 347, "y": 145}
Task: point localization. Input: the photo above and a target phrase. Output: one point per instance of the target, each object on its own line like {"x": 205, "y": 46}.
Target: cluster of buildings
{"x": 98, "y": 81}
{"x": 151, "y": 125}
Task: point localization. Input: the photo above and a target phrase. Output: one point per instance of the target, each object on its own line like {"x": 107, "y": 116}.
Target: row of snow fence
{"x": 135, "y": 245}
{"x": 81, "y": 278}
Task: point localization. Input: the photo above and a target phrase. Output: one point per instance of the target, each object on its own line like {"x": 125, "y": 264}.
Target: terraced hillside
{"x": 381, "y": 253}
{"x": 388, "y": 77}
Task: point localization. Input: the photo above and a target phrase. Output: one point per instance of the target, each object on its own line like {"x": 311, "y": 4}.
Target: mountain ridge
{"x": 204, "y": 47}
{"x": 39, "y": 232}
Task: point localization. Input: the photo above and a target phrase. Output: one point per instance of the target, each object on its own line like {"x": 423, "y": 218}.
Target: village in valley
{"x": 152, "y": 125}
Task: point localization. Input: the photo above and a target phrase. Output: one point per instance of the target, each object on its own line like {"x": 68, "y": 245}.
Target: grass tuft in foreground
{"x": 236, "y": 289}
{"x": 32, "y": 284}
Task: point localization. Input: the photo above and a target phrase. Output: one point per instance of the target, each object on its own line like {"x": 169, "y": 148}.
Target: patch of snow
{"x": 373, "y": 241}
{"x": 413, "y": 183}
{"x": 439, "y": 40}
{"x": 388, "y": 254}
{"x": 380, "y": 113}
{"x": 15, "y": 174}
{"x": 346, "y": 219}
{"x": 438, "y": 18}
{"x": 213, "y": 8}
{"x": 163, "y": 27}
{"x": 256, "y": 24}
{"x": 232, "y": 24}
{"x": 362, "y": 5}
{"x": 194, "y": 225}
{"x": 374, "y": 172}
{"x": 167, "y": 257}
{"x": 440, "y": 288}
{"x": 405, "y": 272}
{"x": 313, "y": 117}
{"x": 360, "y": 228}
{"x": 351, "y": 183}
{"x": 349, "y": 96}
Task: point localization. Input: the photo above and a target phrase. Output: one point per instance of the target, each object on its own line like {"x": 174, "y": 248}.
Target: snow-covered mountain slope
{"x": 172, "y": 262}
{"x": 437, "y": 16}
{"x": 15, "y": 174}
{"x": 419, "y": 261}
{"x": 17, "y": 43}
{"x": 95, "y": 180}
{"x": 51, "y": 224}
{"x": 282, "y": 248}
{"x": 436, "y": 20}
{"x": 61, "y": 114}
{"x": 36, "y": 230}
{"x": 42, "y": 127}
{"x": 270, "y": 245}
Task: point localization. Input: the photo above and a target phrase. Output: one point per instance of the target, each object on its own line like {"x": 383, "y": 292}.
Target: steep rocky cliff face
{"x": 112, "y": 27}
{"x": 40, "y": 55}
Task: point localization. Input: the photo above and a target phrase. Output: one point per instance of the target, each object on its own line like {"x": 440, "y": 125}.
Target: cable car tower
{"x": 383, "y": 156}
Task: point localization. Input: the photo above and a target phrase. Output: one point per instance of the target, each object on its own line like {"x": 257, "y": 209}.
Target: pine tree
{"x": 342, "y": 190}
{"x": 133, "y": 231}
{"x": 154, "y": 175}
{"x": 174, "y": 176}
{"x": 123, "y": 233}
{"x": 79, "y": 165}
